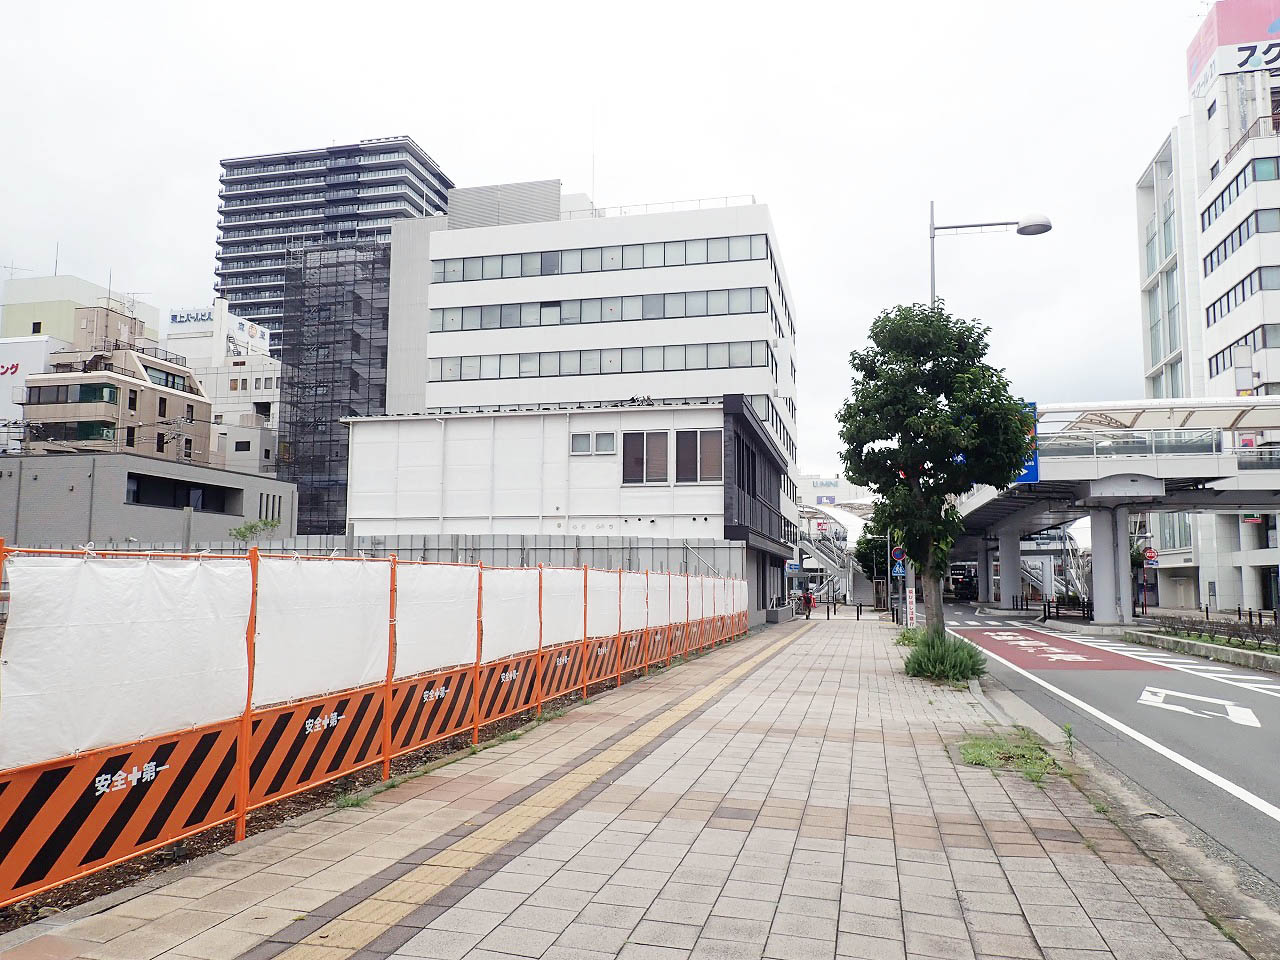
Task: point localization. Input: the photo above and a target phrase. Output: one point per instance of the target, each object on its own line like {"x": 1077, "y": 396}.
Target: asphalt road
{"x": 1202, "y": 737}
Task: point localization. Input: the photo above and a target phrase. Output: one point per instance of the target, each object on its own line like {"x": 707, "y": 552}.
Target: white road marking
{"x": 1143, "y": 655}
{"x": 971, "y": 623}
{"x": 1217, "y": 780}
{"x": 1158, "y": 697}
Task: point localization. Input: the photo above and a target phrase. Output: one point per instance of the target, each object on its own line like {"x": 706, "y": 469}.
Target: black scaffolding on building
{"x": 336, "y": 299}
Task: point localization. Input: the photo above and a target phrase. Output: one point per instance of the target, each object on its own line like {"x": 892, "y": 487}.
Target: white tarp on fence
{"x": 739, "y": 596}
{"x": 100, "y": 652}
{"x": 561, "y": 605}
{"x": 695, "y": 599}
{"x": 634, "y": 615}
{"x": 322, "y": 626}
{"x": 722, "y": 598}
{"x": 602, "y": 603}
{"x": 660, "y": 600}
{"x": 709, "y": 607}
{"x": 510, "y": 612}
{"x": 435, "y": 617}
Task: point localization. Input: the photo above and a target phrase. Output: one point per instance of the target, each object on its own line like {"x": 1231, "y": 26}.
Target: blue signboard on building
{"x": 1031, "y": 469}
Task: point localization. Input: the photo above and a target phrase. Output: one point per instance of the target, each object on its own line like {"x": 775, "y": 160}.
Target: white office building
{"x": 556, "y": 368}
{"x": 230, "y": 357}
{"x": 1209, "y": 261}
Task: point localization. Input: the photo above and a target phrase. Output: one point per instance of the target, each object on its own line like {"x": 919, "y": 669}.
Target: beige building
{"x": 46, "y": 306}
{"x": 114, "y": 390}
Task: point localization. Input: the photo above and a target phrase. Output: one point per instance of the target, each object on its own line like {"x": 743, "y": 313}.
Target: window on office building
{"x": 579, "y": 443}
{"x": 644, "y": 457}
{"x": 699, "y": 456}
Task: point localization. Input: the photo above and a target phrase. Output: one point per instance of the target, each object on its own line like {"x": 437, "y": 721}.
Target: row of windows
{"x": 652, "y": 306}
{"x": 259, "y": 383}
{"x": 769, "y": 414}
{"x": 1264, "y": 278}
{"x": 1262, "y": 221}
{"x": 699, "y": 456}
{"x": 1267, "y": 335}
{"x": 570, "y": 363}
{"x": 1263, "y": 168}
{"x": 165, "y": 378}
{"x": 76, "y": 393}
{"x": 580, "y": 444}
{"x": 634, "y": 256}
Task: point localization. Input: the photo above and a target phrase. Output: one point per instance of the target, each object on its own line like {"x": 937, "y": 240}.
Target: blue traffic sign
{"x": 1031, "y": 466}
{"x": 899, "y": 570}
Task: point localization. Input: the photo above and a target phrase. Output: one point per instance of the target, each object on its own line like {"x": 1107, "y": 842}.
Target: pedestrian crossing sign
{"x": 899, "y": 570}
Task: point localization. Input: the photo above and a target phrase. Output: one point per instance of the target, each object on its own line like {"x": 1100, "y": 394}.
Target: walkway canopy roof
{"x": 1187, "y": 413}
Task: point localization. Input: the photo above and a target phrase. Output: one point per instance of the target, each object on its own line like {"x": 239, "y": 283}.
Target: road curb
{"x": 975, "y": 688}
{"x": 1253, "y": 659}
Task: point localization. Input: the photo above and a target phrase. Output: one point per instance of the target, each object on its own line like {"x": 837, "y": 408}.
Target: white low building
{"x": 556, "y": 368}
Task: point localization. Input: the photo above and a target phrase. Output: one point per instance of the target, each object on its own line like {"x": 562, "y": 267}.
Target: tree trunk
{"x": 933, "y": 601}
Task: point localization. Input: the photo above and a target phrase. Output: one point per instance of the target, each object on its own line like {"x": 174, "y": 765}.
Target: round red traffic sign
{"x": 899, "y": 553}
{"x": 1151, "y": 553}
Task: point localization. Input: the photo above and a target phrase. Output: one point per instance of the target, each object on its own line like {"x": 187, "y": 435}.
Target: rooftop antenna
{"x": 56, "y": 250}
{"x": 14, "y": 269}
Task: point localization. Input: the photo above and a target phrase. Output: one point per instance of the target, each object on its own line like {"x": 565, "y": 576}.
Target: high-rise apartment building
{"x": 1209, "y": 267}
{"x": 279, "y": 202}
{"x": 561, "y": 369}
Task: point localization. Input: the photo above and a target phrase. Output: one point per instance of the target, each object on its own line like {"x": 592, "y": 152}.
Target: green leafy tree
{"x": 927, "y": 419}
{"x": 252, "y": 529}
{"x": 870, "y": 553}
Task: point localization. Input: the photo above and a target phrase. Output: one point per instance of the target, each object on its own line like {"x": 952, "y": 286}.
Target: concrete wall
{"x": 75, "y": 498}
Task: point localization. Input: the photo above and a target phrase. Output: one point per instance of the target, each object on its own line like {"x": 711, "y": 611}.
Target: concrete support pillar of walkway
{"x": 1124, "y": 565}
{"x": 1010, "y": 567}
{"x": 1102, "y": 589}
{"x": 1046, "y": 577}
{"x": 984, "y": 576}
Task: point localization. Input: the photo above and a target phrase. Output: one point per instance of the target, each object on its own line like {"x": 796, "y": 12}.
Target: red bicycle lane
{"x": 1037, "y": 650}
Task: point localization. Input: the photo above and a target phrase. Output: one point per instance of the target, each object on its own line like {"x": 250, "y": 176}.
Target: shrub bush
{"x": 939, "y": 656}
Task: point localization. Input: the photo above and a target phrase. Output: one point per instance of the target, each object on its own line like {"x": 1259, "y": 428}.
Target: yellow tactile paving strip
{"x": 362, "y": 924}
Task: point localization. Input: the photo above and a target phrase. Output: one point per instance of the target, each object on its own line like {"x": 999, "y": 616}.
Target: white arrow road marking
{"x": 1237, "y": 791}
{"x": 1210, "y": 672}
{"x": 1155, "y": 697}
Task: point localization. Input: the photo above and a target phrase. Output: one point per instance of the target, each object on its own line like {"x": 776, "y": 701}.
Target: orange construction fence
{"x": 67, "y": 816}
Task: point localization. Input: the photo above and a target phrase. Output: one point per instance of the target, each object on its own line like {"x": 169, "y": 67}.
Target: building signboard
{"x": 1236, "y": 37}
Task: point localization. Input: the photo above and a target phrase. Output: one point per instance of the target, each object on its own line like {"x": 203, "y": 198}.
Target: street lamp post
{"x": 1031, "y": 225}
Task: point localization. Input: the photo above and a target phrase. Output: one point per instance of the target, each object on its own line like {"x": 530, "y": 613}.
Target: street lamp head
{"x": 1033, "y": 225}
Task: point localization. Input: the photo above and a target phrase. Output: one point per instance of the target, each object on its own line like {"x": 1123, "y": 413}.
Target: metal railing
{"x": 1253, "y": 633}
{"x": 1262, "y": 127}
{"x": 1129, "y": 443}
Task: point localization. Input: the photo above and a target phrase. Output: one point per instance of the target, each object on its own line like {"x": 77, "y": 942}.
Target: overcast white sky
{"x": 845, "y": 118}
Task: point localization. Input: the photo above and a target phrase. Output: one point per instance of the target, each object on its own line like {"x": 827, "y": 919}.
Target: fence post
{"x": 644, "y": 651}
{"x": 246, "y": 721}
{"x": 671, "y": 627}
{"x": 475, "y": 671}
{"x": 539, "y": 661}
{"x": 617, "y": 681}
{"x": 391, "y": 669}
{"x": 584, "y": 632}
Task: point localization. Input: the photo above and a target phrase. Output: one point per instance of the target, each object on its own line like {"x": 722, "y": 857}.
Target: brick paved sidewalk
{"x": 788, "y": 797}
